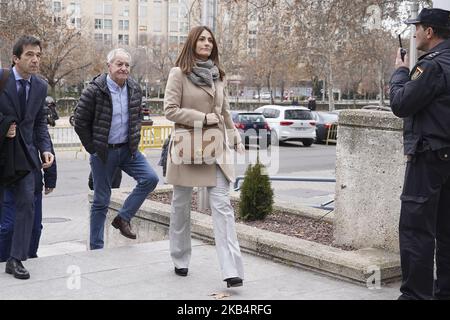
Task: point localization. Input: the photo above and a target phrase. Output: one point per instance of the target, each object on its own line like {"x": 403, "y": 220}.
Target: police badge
{"x": 417, "y": 73}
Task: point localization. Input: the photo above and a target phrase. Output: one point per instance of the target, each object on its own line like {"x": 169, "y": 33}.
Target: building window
{"x": 108, "y": 9}
{"x": 98, "y": 37}
{"x": 143, "y": 39}
{"x": 173, "y": 40}
{"x": 57, "y": 20}
{"x": 124, "y": 25}
{"x": 99, "y": 8}
{"x": 107, "y": 24}
{"x": 125, "y": 11}
{"x": 184, "y": 27}
{"x": 107, "y": 39}
{"x": 184, "y": 11}
{"x": 74, "y": 9}
{"x": 173, "y": 26}
{"x": 142, "y": 11}
{"x": 76, "y": 22}
{"x": 174, "y": 12}
{"x": 98, "y": 24}
{"x": 57, "y": 6}
{"x": 124, "y": 39}
{"x": 156, "y": 21}
{"x": 252, "y": 43}
{"x": 182, "y": 40}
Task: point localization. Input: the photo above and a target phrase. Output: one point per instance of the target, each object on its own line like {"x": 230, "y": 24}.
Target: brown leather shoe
{"x": 124, "y": 227}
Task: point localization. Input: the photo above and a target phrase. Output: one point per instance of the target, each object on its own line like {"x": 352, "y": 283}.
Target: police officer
{"x": 422, "y": 98}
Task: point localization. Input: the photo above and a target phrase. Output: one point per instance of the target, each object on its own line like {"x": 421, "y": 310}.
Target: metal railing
{"x": 332, "y": 133}
{"x": 154, "y": 136}
{"x": 324, "y": 205}
{"x": 237, "y": 187}
{"x": 65, "y": 138}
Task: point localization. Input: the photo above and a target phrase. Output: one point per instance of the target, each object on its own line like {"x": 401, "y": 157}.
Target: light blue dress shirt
{"x": 18, "y": 85}
{"x": 119, "y": 123}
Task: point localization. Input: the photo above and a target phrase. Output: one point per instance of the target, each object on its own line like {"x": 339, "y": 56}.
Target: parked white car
{"x": 289, "y": 123}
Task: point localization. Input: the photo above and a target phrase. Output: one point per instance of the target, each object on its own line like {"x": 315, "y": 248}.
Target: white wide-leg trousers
{"x": 227, "y": 246}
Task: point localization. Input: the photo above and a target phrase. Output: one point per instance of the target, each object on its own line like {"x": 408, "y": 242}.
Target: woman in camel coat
{"x": 195, "y": 96}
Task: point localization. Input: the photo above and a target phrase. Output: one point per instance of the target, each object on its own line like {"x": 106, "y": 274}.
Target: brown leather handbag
{"x": 196, "y": 145}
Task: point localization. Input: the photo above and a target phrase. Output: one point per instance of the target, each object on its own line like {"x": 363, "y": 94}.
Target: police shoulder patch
{"x": 417, "y": 73}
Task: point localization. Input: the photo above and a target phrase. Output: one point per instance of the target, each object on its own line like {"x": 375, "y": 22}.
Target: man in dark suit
{"x": 24, "y": 98}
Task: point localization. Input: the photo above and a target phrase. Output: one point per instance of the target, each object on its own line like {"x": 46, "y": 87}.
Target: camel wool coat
{"x": 186, "y": 103}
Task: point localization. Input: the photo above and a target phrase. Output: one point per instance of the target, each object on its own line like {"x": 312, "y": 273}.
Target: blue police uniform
{"x": 422, "y": 99}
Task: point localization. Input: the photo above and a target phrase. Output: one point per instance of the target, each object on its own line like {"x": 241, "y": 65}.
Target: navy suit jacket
{"x": 34, "y": 122}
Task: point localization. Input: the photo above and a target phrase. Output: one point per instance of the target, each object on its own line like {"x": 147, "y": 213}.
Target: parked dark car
{"x": 324, "y": 120}
{"x": 252, "y": 127}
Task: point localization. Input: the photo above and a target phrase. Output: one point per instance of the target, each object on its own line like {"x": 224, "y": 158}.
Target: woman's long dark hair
{"x": 187, "y": 57}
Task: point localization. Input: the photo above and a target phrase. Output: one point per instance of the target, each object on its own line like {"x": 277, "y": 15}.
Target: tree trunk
{"x": 269, "y": 86}
{"x": 330, "y": 85}
{"x": 52, "y": 90}
{"x": 381, "y": 84}
{"x": 324, "y": 86}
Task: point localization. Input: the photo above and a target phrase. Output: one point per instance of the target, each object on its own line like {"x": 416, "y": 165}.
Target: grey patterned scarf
{"x": 204, "y": 73}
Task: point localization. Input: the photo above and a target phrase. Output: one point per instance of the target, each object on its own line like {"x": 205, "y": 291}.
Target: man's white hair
{"x": 113, "y": 53}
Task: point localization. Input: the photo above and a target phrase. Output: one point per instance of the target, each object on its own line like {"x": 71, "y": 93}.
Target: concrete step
{"x": 60, "y": 248}
{"x": 145, "y": 271}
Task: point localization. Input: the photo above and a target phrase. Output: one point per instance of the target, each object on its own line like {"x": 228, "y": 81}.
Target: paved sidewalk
{"x": 145, "y": 271}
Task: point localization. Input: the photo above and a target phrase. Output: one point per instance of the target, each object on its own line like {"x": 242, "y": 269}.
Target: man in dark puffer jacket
{"x": 107, "y": 120}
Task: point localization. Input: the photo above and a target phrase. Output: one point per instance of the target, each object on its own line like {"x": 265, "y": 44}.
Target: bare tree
{"x": 320, "y": 39}
{"x": 67, "y": 50}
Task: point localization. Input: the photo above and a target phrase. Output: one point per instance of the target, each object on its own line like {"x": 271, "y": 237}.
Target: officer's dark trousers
{"x": 23, "y": 192}
{"x": 425, "y": 226}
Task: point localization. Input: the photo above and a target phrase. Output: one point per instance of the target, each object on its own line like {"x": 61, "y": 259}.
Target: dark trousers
{"x": 7, "y": 220}
{"x": 425, "y": 226}
{"x": 1, "y": 201}
{"x": 23, "y": 192}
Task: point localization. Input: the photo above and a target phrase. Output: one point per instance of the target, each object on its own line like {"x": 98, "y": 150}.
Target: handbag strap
{"x": 3, "y": 79}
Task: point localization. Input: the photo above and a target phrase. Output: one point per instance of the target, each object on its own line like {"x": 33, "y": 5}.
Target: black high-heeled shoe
{"x": 181, "y": 272}
{"x": 234, "y": 282}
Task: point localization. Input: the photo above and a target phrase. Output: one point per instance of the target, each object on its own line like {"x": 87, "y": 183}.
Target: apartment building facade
{"x": 134, "y": 22}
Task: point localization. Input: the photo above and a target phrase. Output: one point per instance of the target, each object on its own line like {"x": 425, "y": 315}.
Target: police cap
{"x": 434, "y": 17}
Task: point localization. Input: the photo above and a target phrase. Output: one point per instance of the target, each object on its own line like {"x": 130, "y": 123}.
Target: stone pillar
{"x": 370, "y": 168}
